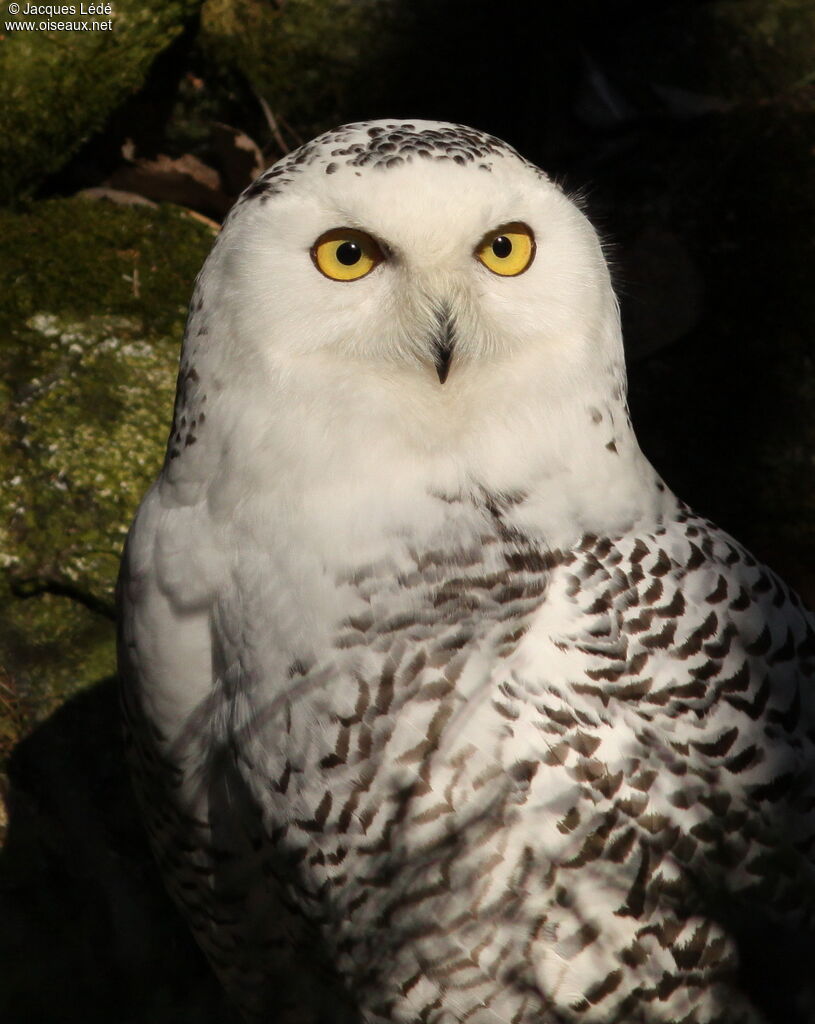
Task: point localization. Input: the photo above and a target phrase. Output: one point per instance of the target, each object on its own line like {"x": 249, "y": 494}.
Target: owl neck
{"x": 355, "y": 460}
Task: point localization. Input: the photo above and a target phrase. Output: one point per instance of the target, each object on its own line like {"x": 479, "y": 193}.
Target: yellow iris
{"x": 345, "y": 254}
{"x": 507, "y": 251}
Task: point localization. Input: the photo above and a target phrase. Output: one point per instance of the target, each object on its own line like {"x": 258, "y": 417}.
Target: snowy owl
{"x": 441, "y": 706}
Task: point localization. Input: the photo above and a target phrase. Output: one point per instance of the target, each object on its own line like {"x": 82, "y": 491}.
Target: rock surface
{"x": 93, "y": 308}
{"x": 58, "y": 87}
{"x": 309, "y": 61}
{"x": 93, "y": 305}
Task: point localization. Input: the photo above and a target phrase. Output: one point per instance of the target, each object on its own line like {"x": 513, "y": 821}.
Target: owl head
{"x": 420, "y": 292}
{"x": 421, "y": 251}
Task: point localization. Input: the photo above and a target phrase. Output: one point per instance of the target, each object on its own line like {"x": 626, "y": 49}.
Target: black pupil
{"x": 348, "y": 254}
{"x": 502, "y": 247}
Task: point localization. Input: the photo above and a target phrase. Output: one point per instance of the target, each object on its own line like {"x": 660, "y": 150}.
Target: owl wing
{"x": 685, "y": 711}
{"x": 203, "y": 823}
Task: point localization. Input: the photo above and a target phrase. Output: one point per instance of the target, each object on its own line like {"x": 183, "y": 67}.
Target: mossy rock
{"x": 93, "y": 308}
{"x": 58, "y": 87}
{"x": 308, "y": 59}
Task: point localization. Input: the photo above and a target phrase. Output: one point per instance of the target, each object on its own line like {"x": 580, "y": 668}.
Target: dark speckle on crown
{"x": 382, "y": 145}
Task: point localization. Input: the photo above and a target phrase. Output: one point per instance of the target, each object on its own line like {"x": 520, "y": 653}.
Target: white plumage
{"x": 442, "y": 707}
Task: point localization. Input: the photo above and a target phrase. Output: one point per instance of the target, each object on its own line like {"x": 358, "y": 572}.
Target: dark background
{"x": 687, "y": 129}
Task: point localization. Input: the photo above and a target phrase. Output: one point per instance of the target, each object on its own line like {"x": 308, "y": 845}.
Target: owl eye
{"x": 345, "y": 254}
{"x": 507, "y": 251}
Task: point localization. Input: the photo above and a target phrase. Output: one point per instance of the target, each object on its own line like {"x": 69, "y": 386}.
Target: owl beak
{"x": 443, "y": 342}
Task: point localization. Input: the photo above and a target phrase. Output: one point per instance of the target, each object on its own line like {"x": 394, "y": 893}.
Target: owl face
{"x": 421, "y": 253}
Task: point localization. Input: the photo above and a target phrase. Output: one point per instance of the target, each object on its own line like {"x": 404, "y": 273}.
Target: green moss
{"x": 88, "y": 431}
{"x": 76, "y": 258}
{"x": 58, "y": 87}
{"x": 92, "y": 314}
{"x": 52, "y": 647}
